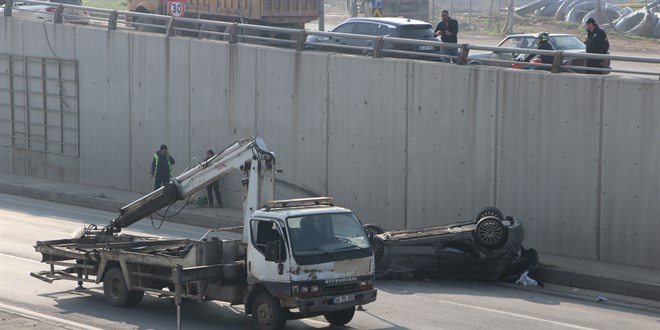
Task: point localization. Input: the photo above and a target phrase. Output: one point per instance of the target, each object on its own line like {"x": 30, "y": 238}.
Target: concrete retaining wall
{"x": 403, "y": 143}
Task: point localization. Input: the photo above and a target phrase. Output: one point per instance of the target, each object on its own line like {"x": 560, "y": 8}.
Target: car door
{"x": 348, "y": 27}
{"x": 365, "y": 28}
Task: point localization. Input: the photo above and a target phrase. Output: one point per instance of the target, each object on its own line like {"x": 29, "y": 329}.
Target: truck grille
{"x": 340, "y": 288}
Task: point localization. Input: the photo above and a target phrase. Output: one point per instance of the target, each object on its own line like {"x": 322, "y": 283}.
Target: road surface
{"x": 27, "y": 303}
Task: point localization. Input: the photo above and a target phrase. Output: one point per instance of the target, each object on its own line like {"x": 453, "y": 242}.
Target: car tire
{"x": 267, "y": 312}
{"x": 489, "y": 211}
{"x": 340, "y": 317}
{"x": 378, "y": 246}
{"x": 372, "y": 230}
{"x": 491, "y": 233}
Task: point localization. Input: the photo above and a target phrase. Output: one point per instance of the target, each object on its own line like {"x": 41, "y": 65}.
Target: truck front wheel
{"x": 267, "y": 312}
{"x": 116, "y": 291}
{"x": 340, "y": 317}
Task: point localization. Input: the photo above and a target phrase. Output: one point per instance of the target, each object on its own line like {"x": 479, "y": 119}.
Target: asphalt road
{"x": 27, "y": 303}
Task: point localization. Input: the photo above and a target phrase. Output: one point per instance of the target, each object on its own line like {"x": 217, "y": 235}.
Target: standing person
{"x": 215, "y": 186}
{"x": 161, "y": 167}
{"x": 597, "y": 43}
{"x": 447, "y": 30}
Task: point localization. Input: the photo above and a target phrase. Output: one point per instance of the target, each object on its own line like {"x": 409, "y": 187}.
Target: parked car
{"x": 567, "y": 43}
{"x": 486, "y": 248}
{"x": 388, "y": 26}
{"x": 47, "y": 13}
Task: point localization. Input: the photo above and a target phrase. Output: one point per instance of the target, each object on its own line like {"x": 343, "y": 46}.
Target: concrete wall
{"x": 403, "y": 143}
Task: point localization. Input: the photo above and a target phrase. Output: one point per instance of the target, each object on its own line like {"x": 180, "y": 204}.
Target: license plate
{"x": 343, "y": 299}
{"x": 425, "y": 48}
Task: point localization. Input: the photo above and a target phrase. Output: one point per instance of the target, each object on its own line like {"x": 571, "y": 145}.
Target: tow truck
{"x": 291, "y": 259}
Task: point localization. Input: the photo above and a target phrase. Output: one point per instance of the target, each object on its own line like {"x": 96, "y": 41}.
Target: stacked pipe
{"x": 644, "y": 22}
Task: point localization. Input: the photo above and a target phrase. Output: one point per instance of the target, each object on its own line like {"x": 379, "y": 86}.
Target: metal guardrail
{"x": 376, "y": 46}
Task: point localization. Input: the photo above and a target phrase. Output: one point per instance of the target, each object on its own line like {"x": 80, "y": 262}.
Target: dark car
{"x": 486, "y": 248}
{"x": 388, "y": 26}
{"x": 567, "y": 43}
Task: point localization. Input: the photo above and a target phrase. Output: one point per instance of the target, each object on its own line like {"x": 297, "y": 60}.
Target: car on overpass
{"x": 396, "y": 27}
{"x": 47, "y": 12}
{"x": 568, "y": 43}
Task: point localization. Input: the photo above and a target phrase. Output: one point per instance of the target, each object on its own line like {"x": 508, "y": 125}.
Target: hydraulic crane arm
{"x": 249, "y": 155}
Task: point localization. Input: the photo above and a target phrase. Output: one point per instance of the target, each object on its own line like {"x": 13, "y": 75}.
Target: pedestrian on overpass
{"x": 161, "y": 167}
{"x": 447, "y": 30}
{"x": 214, "y": 186}
{"x": 597, "y": 43}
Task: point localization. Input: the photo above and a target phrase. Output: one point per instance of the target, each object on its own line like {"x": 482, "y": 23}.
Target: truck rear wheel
{"x": 116, "y": 291}
{"x": 267, "y": 312}
{"x": 340, "y": 317}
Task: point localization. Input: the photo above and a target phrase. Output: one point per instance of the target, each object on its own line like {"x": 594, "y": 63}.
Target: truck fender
{"x": 103, "y": 268}
{"x": 254, "y": 291}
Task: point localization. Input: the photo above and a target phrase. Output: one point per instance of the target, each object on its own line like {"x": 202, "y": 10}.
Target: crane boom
{"x": 250, "y": 155}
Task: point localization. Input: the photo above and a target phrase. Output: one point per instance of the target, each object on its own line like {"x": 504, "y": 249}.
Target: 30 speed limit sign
{"x": 177, "y": 8}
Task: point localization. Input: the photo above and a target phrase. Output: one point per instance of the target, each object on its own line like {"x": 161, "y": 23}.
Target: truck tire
{"x": 267, "y": 312}
{"x": 490, "y": 233}
{"x": 116, "y": 291}
{"x": 340, "y": 317}
{"x": 489, "y": 211}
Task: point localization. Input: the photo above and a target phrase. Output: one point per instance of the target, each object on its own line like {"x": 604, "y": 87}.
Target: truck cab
{"x": 309, "y": 255}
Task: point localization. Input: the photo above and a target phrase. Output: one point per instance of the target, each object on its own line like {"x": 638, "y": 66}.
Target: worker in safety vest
{"x": 161, "y": 167}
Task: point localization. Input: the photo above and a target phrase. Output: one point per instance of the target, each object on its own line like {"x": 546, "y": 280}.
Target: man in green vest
{"x": 161, "y": 167}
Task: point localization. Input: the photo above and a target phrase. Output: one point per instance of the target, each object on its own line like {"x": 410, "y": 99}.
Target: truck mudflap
{"x": 336, "y": 302}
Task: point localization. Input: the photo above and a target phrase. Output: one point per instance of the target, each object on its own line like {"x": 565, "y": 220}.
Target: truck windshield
{"x": 329, "y": 236}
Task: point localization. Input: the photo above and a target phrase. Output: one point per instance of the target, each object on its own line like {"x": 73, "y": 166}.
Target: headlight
{"x": 304, "y": 289}
{"x": 295, "y": 288}
{"x": 314, "y": 288}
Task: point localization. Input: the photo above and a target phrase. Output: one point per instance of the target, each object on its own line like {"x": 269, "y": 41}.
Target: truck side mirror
{"x": 273, "y": 251}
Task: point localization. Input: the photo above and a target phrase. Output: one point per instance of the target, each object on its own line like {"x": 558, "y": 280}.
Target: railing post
{"x": 557, "y": 61}
{"x": 302, "y": 37}
{"x": 232, "y": 33}
{"x": 112, "y": 20}
{"x": 58, "y": 14}
{"x": 8, "y": 7}
{"x": 378, "y": 47}
{"x": 462, "y": 56}
{"x": 169, "y": 31}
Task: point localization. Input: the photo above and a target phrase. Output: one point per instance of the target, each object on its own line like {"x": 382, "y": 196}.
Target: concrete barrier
{"x": 402, "y": 143}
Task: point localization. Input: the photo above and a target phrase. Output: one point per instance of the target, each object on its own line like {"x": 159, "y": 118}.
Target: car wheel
{"x": 490, "y": 233}
{"x": 489, "y": 211}
{"x": 379, "y": 248}
{"x": 340, "y": 317}
{"x": 267, "y": 312}
{"x": 372, "y": 230}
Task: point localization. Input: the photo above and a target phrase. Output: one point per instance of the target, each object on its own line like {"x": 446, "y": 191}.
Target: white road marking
{"x": 38, "y": 316}
{"x": 568, "y": 325}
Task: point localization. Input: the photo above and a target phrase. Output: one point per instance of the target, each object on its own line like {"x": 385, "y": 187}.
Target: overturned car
{"x": 487, "y": 248}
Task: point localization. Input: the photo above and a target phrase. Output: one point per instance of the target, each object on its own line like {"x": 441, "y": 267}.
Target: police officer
{"x": 597, "y": 43}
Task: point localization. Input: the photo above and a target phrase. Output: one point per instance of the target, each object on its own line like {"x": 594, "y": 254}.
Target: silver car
{"x": 47, "y": 12}
{"x": 567, "y": 43}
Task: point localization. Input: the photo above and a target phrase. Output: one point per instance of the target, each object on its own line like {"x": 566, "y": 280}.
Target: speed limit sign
{"x": 176, "y": 8}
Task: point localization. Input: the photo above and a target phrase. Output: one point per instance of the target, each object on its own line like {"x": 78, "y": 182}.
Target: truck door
{"x": 267, "y": 242}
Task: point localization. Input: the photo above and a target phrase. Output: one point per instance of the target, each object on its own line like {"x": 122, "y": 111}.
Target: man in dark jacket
{"x": 161, "y": 167}
{"x": 597, "y": 43}
{"x": 447, "y": 30}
